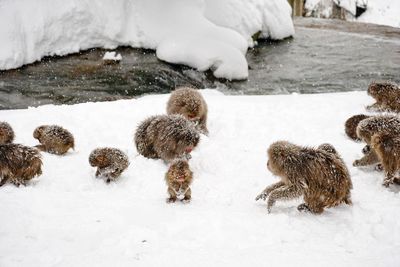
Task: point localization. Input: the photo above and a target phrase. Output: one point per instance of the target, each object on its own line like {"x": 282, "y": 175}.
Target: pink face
{"x": 188, "y": 149}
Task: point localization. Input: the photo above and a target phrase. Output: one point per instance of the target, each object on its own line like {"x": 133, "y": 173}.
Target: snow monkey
{"x": 387, "y": 96}
{"x": 6, "y": 133}
{"x": 350, "y": 126}
{"x": 166, "y": 137}
{"x": 19, "y": 164}
{"x": 178, "y": 178}
{"x": 54, "y": 139}
{"x": 387, "y": 147}
{"x": 370, "y": 126}
{"x": 189, "y": 103}
{"x": 110, "y": 162}
{"x": 319, "y": 175}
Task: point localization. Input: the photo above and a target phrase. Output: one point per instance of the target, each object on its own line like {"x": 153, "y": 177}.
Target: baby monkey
{"x": 6, "y": 133}
{"x": 19, "y": 164}
{"x": 319, "y": 175}
{"x": 191, "y": 104}
{"x": 54, "y": 139}
{"x": 178, "y": 178}
{"x": 110, "y": 162}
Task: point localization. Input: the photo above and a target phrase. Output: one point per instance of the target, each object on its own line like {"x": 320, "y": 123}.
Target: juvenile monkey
{"x": 178, "y": 178}
{"x": 318, "y": 175}
{"x": 350, "y": 126}
{"x": 54, "y": 139}
{"x": 166, "y": 137}
{"x": 191, "y": 104}
{"x": 387, "y": 147}
{"x": 6, "y": 133}
{"x": 19, "y": 164}
{"x": 387, "y": 96}
{"x": 370, "y": 126}
{"x": 110, "y": 162}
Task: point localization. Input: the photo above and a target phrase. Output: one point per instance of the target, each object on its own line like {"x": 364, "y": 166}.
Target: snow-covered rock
{"x": 112, "y": 56}
{"x": 67, "y": 217}
{"x": 200, "y": 33}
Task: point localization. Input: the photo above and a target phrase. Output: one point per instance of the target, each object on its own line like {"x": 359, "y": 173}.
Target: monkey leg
{"x": 188, "y": 196}
{"x": 41, "y": 147}
{"x": 172, "y": 195}
{"x": 285, "y": 193}
{"x": 368, "y": 159}
{"x": 4, "y": 180}
{"x": 264, "y": 194}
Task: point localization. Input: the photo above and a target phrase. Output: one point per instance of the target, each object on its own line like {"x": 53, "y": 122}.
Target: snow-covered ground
{"x": 66, "y": 217}
{"x": 384, "y": 12}
{"x": 204, "y": 34}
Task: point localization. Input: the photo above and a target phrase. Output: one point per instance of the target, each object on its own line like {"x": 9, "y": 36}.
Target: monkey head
{"x": 351, "y": 125}
{"x": 280, "y": 155}
{"x": 180, "y": 171}
{"x": 378, "y": 90}
{"x": 382, "y": 142}
{"x": 98, "y": 158}
{"x": 328, "y": 148}
{"x": 37, "y": 133}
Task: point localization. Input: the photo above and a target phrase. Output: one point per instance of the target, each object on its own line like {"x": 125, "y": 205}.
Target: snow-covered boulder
{"x": 200, "y": 33}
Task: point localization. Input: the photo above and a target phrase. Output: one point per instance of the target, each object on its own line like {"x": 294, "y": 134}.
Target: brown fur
{"x": 350, "y": 126}
{"x": 54, "y": 139}
{"x": 6, "y": 133}
{"x": 191, "y": 104}
{"x": 370, "y": 126}
{"x": 387, "y": 96}
{"x": 166, "y": 137}
{"x": 110, "y": 162}
{"x": 178, "y": 178}
{"x": 19, "y": 164}
{"x": 318, "y": 175}
{"x": 387, "y": 147}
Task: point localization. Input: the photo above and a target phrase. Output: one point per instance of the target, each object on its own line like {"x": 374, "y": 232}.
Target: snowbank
{"x": 67, "y": 217}
{"x": 200, "y": 33}
{"x": 384, "y": 12}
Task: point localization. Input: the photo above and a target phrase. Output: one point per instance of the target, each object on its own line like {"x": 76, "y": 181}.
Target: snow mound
{"x": 112, "y": 55}
{"x": 218, "y": 30}
{"x": 67, "y": 217}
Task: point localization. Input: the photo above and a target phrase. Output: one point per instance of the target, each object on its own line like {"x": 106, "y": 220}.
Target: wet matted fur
{"x": 19, "y": 164}
{"x": 166, "y": 137}
{"x": 319, "y": 175}
{"x": 54, "y": 139}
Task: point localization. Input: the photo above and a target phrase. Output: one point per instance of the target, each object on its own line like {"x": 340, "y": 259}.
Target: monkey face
{"x": 375, "y": 90}
{"x": 38, "y": 132}
{"x": 98, "y": 159}
{"x": 180, "y": 171}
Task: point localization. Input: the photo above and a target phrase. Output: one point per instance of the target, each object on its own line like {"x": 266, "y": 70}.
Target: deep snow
{"x": 67, "y": 217}
{"x": 200, "y": 33}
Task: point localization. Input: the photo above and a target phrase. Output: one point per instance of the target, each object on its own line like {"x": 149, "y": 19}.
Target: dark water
{"x": 324, "y": 56}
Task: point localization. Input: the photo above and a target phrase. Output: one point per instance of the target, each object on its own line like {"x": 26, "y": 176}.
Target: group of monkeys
{"x": 318, "y": 174}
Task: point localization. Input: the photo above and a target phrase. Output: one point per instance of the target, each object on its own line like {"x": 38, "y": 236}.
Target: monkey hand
{"x": 387, "y": 182}
{"x": 356, "y": 163}
{"x": 262, "y": 196}
{"x": 379, "y": 167}
{"x": 366, "y": 149}
{"x": 303, "y": 207}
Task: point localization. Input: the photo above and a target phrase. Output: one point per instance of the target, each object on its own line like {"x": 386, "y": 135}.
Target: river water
{"x": 323, "y": 56}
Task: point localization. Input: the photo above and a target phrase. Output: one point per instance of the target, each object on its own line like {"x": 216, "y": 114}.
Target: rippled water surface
{"x": 323, "y": 56}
